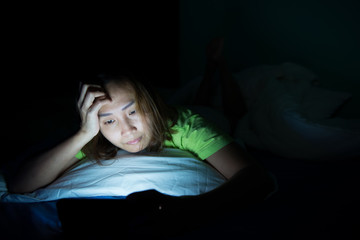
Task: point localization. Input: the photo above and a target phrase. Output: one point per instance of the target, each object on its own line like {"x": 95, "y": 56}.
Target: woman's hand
{"x": 92, "y": 98}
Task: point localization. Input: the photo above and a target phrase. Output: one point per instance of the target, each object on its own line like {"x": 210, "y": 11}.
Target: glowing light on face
{"x": 120, "y": 122}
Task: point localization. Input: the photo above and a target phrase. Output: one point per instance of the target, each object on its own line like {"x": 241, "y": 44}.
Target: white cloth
{"x": 173, "y": 171}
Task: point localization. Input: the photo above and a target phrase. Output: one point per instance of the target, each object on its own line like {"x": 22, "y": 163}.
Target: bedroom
{"x": 321, "y": 36}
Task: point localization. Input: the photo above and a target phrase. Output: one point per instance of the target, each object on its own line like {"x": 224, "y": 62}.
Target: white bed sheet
{"x": 173, "y": 171}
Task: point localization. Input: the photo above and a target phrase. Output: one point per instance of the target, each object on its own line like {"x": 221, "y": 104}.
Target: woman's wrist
{"x": 84, "y": 136}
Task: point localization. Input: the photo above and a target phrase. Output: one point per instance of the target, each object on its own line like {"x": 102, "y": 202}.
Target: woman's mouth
{"x": 135, "y": 141}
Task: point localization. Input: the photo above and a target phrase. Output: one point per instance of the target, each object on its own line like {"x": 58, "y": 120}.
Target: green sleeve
{"x": 195, "y": 134}
{"x": 80, "y": 155}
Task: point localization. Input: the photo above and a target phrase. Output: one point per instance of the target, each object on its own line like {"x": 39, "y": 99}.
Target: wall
{"x": 321, "y": 35}
{"x": 49, "y": 47}
{"x": 62, "y": 44}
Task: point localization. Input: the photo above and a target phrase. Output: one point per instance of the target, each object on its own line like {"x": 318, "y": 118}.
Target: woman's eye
{"x": 132, "y": 112}
{"x": 109, "y": 122}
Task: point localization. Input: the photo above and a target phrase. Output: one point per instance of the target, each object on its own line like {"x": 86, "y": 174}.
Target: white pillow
{"x": 173, "y": 171}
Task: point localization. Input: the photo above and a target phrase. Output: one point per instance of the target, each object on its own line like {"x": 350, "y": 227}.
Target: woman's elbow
{"x": 270, "y": 186}
{"x": 266, "y": 186}
{"x": 262, "y": 184}
{"x": 18, "y": 187}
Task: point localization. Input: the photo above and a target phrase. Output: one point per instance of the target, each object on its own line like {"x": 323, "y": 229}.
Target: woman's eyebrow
{"x": 104, "y": 114}
{"x": 127, "y": 105}
{"x": 122, "y": 109}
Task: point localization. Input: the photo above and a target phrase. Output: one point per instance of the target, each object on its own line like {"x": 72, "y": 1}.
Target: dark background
{"x": 54, "y": 46}
{"x": 320, "y": 35}
{"x": 50, "y": 48}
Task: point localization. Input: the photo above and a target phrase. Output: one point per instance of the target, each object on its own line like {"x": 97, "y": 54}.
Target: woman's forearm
{"x": 250, "y": 185}
{"x": 47, "y": 167}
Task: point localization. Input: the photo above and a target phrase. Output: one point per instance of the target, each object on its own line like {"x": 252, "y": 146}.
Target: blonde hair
{"x": 160, "y": 118}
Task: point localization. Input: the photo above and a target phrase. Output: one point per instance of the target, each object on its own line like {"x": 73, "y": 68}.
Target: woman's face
{"x": 120, "y": 123}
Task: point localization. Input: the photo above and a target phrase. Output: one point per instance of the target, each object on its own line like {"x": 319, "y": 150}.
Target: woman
{"x": 124, "y": 114}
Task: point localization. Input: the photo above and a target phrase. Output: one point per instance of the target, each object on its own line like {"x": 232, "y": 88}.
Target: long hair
{"x": 159, "y": 116}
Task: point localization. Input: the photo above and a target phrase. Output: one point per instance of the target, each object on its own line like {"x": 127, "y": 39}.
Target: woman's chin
{"x": 133, "y": 149}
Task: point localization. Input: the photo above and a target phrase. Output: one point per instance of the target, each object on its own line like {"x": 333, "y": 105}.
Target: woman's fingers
{"x": 89, "y": 115}
{"x": 89, "y": 100}
{"x": 85, "y": 89}
{"x": 97, "y": 104}
{"x": 92, "y": 98}
{"x": 89, "y": 93}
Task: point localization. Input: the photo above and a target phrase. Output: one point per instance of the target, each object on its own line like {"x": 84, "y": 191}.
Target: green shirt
{"x": 196, "y": 135}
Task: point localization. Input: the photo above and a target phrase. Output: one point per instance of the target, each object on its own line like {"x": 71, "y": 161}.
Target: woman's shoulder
{"x": 189, "y": 120}
{"x": 196, "y": 134}
{"x": 186, "y": 116}
{"x": 183, "y": 111}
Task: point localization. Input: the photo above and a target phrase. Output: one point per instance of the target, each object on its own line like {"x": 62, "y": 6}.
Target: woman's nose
{"x": 127, "y": 128}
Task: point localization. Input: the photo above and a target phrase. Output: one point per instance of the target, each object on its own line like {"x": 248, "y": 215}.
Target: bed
{"x": 173, "y": 172}
{"x": 318, "y": 183}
